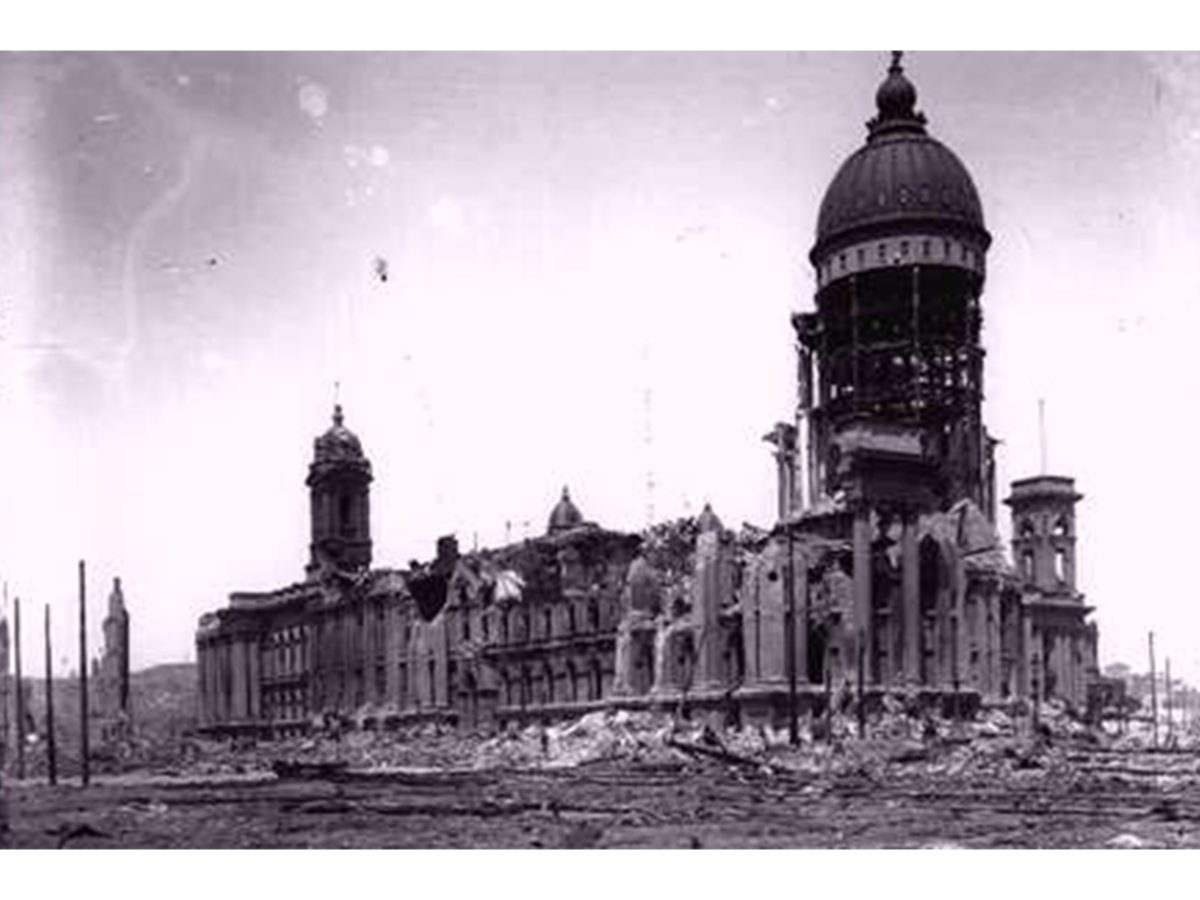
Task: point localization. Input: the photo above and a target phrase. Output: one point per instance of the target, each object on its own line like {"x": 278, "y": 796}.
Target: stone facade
{"x": 884, "y": 568}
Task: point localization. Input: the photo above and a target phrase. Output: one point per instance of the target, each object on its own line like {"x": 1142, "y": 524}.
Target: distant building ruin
{"x": 885, "y": 558}
{"x": 111, "y": 670}
{"x": 6, "y": 691}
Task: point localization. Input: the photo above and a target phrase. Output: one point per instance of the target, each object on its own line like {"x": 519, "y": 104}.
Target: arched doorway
{"x": 470, "y": 701}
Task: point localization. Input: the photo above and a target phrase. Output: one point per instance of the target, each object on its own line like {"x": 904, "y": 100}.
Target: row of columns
{"x": 1061, "y": 662}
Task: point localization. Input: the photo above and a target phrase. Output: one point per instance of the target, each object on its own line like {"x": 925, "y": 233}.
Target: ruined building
{"x": 112, "y": 669}
{"x": 6, "y": 692}
{"x": 885, "y": 563}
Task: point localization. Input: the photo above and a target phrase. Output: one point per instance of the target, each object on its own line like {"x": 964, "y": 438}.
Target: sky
{"x": 591, "y": 262}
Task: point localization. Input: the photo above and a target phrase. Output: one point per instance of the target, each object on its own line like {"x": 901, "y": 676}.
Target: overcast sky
{"x": 591, "y": 264}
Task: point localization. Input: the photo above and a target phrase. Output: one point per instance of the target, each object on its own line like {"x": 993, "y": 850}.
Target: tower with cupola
{"x": 339, "y": 480}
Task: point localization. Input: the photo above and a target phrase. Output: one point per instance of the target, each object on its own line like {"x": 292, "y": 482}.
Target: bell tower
{"x": 339, "y": 480}
{"x": 1043, "y": 528}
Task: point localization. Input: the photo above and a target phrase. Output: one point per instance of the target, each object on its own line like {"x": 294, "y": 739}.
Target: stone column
{"x": 709, "y": 564}
{"x": 1025, "y": 654}
{"x": 993, "y": 628}
{"x": 1077, "y": 666}
{"x": 982, "y": 637}
{"x": 800, "y": 586}
{"x": 910, "y": 563}
{"x": 237, "y": 666}
{"x": 623, "y": 665}
{"x": 201, "y": 679}
{"x": 937, "y": 636}
{"x": 766, "y": 656}
{"x": 862, "y": 587}
{"x": 391, "y": 654}
{"x": 441, "y": 663}
{"x": 254, "y": 680}
{"x": 962, "y": 641}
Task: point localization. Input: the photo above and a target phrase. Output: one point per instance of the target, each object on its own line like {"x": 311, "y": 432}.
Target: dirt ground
{"x": 1078, "y": 797}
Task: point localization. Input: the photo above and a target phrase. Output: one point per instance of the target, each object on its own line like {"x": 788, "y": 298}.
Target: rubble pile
{"x": 641, "y": 737}
{"x": 898, "y": 743}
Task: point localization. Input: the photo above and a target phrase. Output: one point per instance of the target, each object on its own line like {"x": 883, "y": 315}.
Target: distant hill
{"x": 163, "y": 700}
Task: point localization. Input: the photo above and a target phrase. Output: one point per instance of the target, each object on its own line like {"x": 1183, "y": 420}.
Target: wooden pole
{"x": 5, "y": 685}
{"x": 85, "y": 772}
{"x": 1170, "y": 707}
{"x": 1153, "y": 694}
{"x": 20, "y": 706}
{"x": 51, "y": 750}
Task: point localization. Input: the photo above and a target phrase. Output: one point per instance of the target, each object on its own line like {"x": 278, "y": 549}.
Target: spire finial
{"x": 1042, "y": 431}
{"x": 337, "y": 403}
{"x": 896, "y": 101}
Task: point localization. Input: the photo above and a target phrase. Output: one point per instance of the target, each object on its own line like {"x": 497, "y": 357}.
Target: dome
{"x": 708, "y": 520}
{"x": 339, "y": 442}
{"x": 901, "y": 176}
{"x": 566, "y": 514}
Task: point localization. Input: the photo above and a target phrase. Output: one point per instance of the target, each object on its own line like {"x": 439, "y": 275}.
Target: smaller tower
{"x": 565, "y": 515}
{"x": 339, "y": 480}
{"x": 1060, "y": 649}
{"x": 1043, "y": 526}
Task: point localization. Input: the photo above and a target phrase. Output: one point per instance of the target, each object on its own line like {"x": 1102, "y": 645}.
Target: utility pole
{"x": 20, "y": 689}
{"x": 85, "y": 772}
{"x": 5, "y": 681}
{"x": 1153, "y": 694}
{"x": 51, "y": 750}
{"x": 1170, "y": 707}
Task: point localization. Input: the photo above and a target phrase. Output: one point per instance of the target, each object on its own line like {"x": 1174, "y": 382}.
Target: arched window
{"x": 547, "y": 623}
{"x": 1060, "y": 565}
{"x": 572, "y": 686}
{"x": 594, "y": 614}
{"x": 597, "y": 681}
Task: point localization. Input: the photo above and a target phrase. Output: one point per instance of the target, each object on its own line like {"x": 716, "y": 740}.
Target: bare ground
{"x": 1089, "y": 797}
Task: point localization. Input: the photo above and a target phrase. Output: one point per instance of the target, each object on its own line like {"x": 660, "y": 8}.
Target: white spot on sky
{"x": 183, "y": 79}
{"x": 447, "y": 217}
{"x": 773, "y": 103}
{"x": 313, "y": 100}
{"x": 377, "y": 156}
{"x": 380, "y": 156}
{"x": 213, "y": 361}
